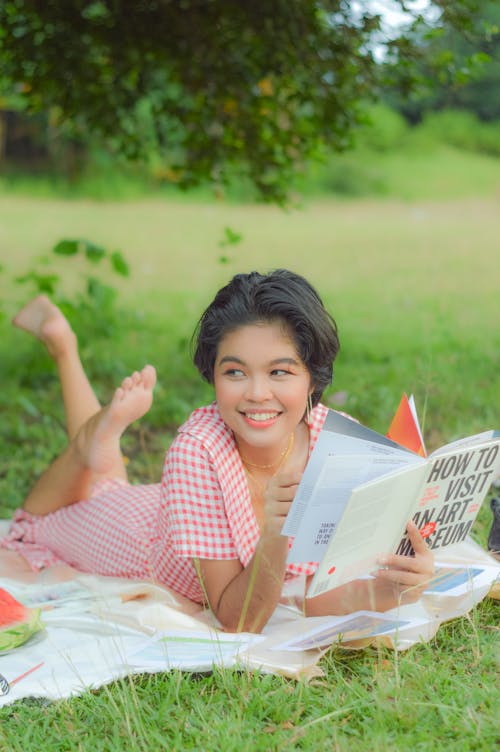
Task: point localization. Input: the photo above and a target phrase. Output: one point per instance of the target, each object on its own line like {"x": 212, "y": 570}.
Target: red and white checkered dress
{"x": 201, "y": 509}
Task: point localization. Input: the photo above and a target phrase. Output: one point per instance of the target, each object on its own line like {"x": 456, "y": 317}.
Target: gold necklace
{"x": 286, "y": 451}
{"x": 261, "y": 487}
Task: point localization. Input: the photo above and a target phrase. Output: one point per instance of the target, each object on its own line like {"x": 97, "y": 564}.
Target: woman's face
{"x": 261, "y": 387}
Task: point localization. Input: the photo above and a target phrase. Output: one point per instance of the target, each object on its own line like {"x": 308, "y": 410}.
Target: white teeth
{"x": 261, "y": 416}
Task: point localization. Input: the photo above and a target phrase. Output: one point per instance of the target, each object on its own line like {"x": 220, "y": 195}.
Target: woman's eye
{"x": 234, "y": 372}
{"x": 279, "y": 372}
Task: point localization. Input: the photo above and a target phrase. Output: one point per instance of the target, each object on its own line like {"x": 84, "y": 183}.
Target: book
{"x": 360, "y": 488}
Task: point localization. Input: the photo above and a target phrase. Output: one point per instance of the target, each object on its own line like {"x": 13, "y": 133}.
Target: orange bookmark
{"x": 405, "y": 429}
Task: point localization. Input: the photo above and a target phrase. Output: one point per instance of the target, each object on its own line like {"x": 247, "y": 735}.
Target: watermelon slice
{"x": 17, "y": 623}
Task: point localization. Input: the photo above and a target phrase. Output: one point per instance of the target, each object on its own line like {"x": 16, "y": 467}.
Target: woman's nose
{"x": 258, "y": 389}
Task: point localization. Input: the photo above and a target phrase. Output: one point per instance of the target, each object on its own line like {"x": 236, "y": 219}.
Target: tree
{"x": 467, "y": 76}
{"x": 213, "y": 86}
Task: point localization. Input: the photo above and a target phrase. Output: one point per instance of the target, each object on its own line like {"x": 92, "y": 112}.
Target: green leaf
{"x": 94, "y": 253}
{"x": 230, "y": 238}
{"x": 95, "y": 12}
{"x": 66, "y": 247}
{"x": 46, "y": 282}
{"x": 119, "y": 264}
{"x": 103, "y": 295}
{"x": 43, "y": 282}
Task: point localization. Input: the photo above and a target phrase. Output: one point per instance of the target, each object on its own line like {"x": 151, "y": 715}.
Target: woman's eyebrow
{"x": 231, "y": 359}
{"x": 274, "y": 362}
{"x": 290, "y": 361}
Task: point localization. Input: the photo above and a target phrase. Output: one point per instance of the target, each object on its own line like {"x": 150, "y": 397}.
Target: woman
{"x": 212, "y": 529}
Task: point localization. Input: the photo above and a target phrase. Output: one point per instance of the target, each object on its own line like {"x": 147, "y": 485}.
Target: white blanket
{"x": 97, "y": 629}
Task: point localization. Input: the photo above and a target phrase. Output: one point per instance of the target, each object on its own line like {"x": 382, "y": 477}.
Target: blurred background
{"x": 148, "y": 154}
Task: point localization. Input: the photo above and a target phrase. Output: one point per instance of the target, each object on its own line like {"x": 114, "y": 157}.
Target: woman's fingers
{"x": 278, "y": 497}
{"x": 404, "y": 577}
{"x": 418, "y": 543}
{"x": 409, "y": 570}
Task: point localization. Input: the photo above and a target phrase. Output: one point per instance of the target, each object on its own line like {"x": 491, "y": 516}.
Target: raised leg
{"x": 47, "y": 323}
{"x": 94, "y": 453}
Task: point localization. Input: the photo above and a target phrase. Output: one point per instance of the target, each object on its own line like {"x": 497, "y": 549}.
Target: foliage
{"x": 468, "y": 76}
{"x": 463, "y": 130}
{"x": 448, "y": 154}
{"x": 93, "y": 307}
{"x": 384, "y": 129}
{"x": 213, "y": 88}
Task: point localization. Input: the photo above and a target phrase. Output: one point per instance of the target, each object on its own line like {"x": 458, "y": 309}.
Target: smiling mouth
{"x": 260, "y": 417}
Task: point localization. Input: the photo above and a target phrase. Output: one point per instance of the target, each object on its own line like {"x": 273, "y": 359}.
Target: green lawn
{"x": 414, "y": 287}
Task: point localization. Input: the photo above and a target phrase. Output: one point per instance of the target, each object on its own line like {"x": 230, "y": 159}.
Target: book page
{"x": 358, "y": 440}
{"x": 478, "y": 438}
{"x": 371, "y": 525}
{"x": 338, "y": 476}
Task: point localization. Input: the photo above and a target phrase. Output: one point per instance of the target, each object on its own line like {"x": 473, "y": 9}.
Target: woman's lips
{"x": 261, "y": 419}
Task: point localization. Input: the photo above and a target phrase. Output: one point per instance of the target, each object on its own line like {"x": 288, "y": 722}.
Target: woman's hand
{"x": 402, "y": 580}
{"x": 278, "y": 497}
{"x": 244, "y": 598}
{"x": 409, "y": 573}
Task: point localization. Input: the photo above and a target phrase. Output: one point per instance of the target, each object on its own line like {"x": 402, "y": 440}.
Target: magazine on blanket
{"x": 360, "y": 488}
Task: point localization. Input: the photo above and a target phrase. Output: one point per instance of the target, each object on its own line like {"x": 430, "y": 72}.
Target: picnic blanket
{"x": 97, "y": 629}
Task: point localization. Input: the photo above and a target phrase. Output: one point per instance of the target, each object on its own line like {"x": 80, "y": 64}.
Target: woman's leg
{"x": 94, "y": 453}
{"x": 47, "y": 323}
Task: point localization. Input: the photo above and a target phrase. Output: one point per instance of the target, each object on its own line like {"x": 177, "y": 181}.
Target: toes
{"x": 127, "y": 383}
{"x": 145, "y": 378}
{"x": 148, "y": 376}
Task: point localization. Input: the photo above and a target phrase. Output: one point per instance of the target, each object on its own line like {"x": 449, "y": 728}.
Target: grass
{"x": 414, "y": 287}
{"x": 370, "y": 701}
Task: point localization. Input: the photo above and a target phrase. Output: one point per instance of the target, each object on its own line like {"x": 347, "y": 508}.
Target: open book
{"x": 360, "y": 488}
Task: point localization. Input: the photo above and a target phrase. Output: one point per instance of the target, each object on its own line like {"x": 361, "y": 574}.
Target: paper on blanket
{"x": 356, "y": 626}
{"x": 47, "y": 595}
{"x": 198, "y": 650}
{"x": 455, "y": 579}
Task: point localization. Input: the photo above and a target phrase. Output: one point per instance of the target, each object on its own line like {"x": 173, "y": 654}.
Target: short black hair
{"x": 279, "y": 296}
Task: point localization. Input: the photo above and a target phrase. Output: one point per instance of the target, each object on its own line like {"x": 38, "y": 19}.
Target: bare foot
{"x": 47, "y": 323}
{"x": 98, "y": 441}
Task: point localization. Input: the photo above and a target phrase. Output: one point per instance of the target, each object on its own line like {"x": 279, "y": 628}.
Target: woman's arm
{"x": 243, "y": 599}
{"x": 401, "y": 581}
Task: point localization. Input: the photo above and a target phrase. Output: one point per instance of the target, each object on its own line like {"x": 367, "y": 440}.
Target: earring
{"x": 309, "y": 407}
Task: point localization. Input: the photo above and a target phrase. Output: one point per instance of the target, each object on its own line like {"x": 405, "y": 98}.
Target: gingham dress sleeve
{"x": 206, "y": 510}
{"x": 193, "y": 504}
